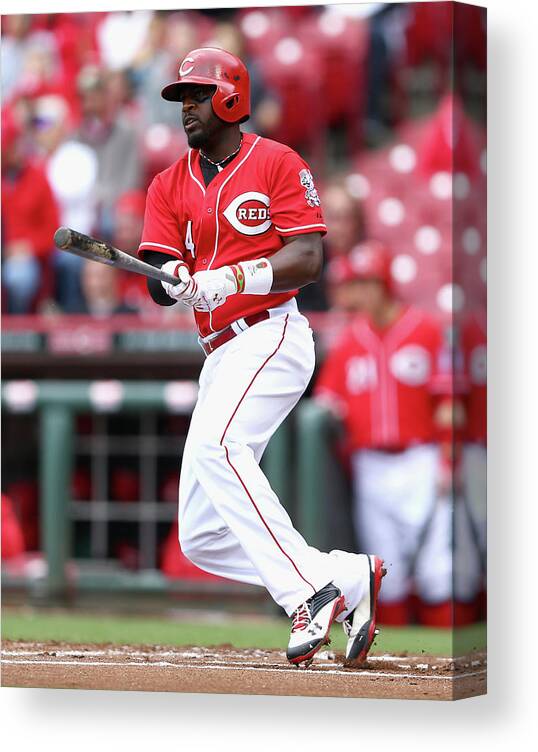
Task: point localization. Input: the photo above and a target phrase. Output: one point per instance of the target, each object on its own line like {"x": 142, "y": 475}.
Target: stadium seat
{"x": 287, "y": 69}
{"x": 342, "y": 45}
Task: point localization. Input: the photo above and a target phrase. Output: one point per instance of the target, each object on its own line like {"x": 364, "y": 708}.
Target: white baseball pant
{"x": 394, "y": 497}
{"x": 231, "y": 522}
{"x": 470, "y": 523}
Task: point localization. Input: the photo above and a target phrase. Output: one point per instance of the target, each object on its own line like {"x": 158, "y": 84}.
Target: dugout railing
{"x": 298, "y": 462}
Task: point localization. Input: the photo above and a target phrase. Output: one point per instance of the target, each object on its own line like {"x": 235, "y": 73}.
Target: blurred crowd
{"x": 391, "y": 116}
{"x": 84, "y": 130}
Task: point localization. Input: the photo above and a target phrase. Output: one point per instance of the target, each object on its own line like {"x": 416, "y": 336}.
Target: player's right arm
{"x": 161, "y": 240}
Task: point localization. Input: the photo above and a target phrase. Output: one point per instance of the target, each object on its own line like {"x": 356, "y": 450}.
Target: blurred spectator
{"x": 71, "y": 169}
{"x": 162, "y": 144}
{"x": 101, "y": 293}
{"x": 343, "y": 217}
{"x": 29, "y": 219}
{"x": 70, "y": 165}
{"x": 15, "y": 29}
{"x": 382, "y": 379}
{"x": 121, "y": 95}
{"x": 12, "y": 537}
{"x": 114, "y": 143}
{"x": 266, "y": 111}
{"x": 128, "y": 222}
{"x": 386, "y": 49}
{"x": 168, "y": 39}
{"x": 41, "y": 70}
{"x": 120, "y": 36}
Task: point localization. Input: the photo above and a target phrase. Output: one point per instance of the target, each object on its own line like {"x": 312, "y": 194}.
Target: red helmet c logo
{"x": 185, "y": 71}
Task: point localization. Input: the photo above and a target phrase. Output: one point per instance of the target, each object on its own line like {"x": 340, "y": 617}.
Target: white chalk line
{"x": 234, "y": 658}
{"x": 323, "y": 655}
{"x": 219, "y": 667}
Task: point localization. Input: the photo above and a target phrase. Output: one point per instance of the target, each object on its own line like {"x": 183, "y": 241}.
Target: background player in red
{"x": 238, "y": 221}
{"x": 474, "y": 347}
{"x": 381, "y": 378}
{"x": 471, "y": 512}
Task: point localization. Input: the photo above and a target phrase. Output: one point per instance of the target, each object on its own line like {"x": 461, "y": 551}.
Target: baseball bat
{"x": 97, "y": 250}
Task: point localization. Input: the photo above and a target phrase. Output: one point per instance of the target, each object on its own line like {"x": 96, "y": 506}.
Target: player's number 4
{"x": 189, "y": 245}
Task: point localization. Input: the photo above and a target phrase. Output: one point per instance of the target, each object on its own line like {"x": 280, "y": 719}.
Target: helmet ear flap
{"x": 231, "y": 101}
{"x": 226, "y": 107}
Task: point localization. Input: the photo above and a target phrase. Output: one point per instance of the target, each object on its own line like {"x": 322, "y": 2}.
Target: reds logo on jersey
{"x": 361, "y": 374}
{"x": 249, "y": 213}
{"x": 411, "y": 365}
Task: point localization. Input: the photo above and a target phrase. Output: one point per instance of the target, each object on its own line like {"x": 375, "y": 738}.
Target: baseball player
{"x": 472, "y": 538}
{"x": 474, "y": 346}
{"x": 238, "y": 221}
{"x": 380, "y": 379}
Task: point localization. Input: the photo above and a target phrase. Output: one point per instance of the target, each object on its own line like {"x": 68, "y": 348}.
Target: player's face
{"x": 360, "y": 296}
{"x": 199, "y": 121}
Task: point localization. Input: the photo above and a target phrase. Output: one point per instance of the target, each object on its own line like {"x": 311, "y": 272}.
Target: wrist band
{"x": 258, "y": 276}
{"x": 239, "y": 277}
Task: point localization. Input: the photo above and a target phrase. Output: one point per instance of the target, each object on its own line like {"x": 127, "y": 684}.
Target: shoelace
{"x": 301, "y": 618}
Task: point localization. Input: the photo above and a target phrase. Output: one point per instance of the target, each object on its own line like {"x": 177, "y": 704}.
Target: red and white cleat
{"x": 360, "y": 625}
{"x": 312, "y": 623}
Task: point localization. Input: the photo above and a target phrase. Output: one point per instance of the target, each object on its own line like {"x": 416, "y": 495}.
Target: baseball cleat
{"x": 360, "y": 625}
{"x": 312, "y": 622}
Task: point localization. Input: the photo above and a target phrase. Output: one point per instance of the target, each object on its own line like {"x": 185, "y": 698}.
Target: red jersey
{"x": 263, "y": 195}
{"x": 29, "y": 210}
{"x": 474, "y": 347}
{"x": 383, "y": 381}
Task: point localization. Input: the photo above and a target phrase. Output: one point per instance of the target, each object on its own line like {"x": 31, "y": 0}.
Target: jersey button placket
{"x": 207, "y": 231}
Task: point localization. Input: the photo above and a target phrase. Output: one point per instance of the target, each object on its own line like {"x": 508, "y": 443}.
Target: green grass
{"x": 238, "y": 631}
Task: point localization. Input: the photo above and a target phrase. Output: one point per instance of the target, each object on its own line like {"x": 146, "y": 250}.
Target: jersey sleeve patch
{"x": 311, "y": 194}
{"x": 295, "y": 204}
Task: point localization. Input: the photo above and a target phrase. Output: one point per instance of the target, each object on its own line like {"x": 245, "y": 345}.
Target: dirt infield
{"x": 229, "y": 670}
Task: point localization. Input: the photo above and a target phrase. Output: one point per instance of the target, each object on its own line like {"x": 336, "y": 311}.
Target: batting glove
{"x": 186, "y": 289}
{"x": 214, "y": 287}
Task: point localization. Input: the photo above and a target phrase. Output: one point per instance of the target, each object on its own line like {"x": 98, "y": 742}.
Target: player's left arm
{"x": 298, "y": 263}
{"x": 295, "y": 265}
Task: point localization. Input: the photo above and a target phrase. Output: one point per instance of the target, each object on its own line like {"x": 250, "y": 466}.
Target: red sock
{"x": 466, "y": 613}
{"x": 435, "y": 614}
{"x": 393, "y": 614}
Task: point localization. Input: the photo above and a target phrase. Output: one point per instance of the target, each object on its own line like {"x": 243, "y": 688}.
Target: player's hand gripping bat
{"x": 97, "y": 250}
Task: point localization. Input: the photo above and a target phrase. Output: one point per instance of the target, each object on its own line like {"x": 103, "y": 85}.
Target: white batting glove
{"x": 214, "y": 287}
{"x": 186, "y": 289}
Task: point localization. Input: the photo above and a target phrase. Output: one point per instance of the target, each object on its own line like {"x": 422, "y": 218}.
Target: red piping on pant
{"x": 234, "y": 469}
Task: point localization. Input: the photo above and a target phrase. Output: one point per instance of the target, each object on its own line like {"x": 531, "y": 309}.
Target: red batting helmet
{"x": 212, "y": 66}
{"x": 370, "y": 260}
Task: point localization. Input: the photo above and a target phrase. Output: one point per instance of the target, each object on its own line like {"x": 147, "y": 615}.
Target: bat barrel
{"x": 81, "y": 245}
